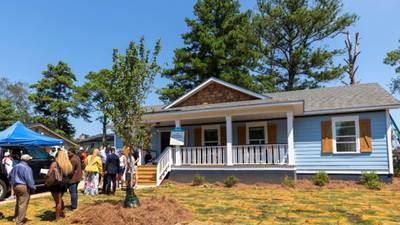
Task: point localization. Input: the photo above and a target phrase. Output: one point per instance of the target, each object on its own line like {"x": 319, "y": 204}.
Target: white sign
{"x": 177, "y": 137}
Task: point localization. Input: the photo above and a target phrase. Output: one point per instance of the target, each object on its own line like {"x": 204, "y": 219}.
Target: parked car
{"x": 40, "y": 160}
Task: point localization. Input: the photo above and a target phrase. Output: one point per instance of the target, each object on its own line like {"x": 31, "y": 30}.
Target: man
{"x": 112, "y": 169}
{"x": 104, "y": 154}
{"x": 21, "y": 179}
{"x": 76, "y": 177}
{"x": 7, "y": 164}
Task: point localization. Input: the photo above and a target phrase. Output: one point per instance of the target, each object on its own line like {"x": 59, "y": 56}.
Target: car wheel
{"x": 3, "y": 189}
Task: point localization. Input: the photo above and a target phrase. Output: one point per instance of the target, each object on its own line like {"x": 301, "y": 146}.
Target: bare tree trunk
{"x": 352, "y": 57}
{"x": 104, "y": 123}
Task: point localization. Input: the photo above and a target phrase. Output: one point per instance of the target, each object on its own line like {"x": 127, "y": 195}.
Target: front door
{"x": 165, "y": 136}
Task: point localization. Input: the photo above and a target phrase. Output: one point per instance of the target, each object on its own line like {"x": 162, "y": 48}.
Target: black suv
{"x": 40, "y": 160}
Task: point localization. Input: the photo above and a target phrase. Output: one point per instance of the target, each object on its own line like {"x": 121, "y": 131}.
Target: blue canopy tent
{"x": 19, "y": 135}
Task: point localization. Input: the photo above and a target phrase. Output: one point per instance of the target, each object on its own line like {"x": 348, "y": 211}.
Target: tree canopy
{"x": 220, "y": 44}
{"x": 56, "y": 99}
{"x": 8, "y": 114}
{"x": 17, "y": 93}
{"x": 128, "y": 85}
{"x": 290, "y": 32}
{"x": 393, "y": 59}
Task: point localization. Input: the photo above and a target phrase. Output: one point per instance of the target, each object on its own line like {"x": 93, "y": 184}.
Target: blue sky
{"x": 83, "y": 34}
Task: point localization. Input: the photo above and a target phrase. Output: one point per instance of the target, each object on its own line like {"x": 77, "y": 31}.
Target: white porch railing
{"x": 260, "y": 154}
{"x": 164, "y": 165}
{"x": 205, "y": 155}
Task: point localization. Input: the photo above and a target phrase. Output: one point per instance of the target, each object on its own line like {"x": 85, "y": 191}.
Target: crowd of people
{"x": 69, "y": 168}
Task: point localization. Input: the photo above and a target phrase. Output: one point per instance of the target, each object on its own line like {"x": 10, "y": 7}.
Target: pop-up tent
{"x": 20, "y": 135}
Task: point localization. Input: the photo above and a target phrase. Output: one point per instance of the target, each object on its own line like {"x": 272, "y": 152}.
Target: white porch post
{"x": 289, "y": 119}
{"x": 229, "y": 141}
{"x": 389, "y": 141}
{"x": 178, "y": 148}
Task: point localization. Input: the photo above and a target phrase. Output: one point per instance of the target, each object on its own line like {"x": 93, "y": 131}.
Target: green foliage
{"x": 231, "y": 181}
{"x": 371, "y": 180}
{"x": 8, "y": 114}
{"x": 128, "y": 85}
{"x": 320, "y": 179}
{"x": 393, "y": 59}
{"x": 198, "y": 180}
{"x": 17, "y": 94}
{"x": 287, "y": 182}
{"x": 220, "y": 44}
{"x": 56, "y": 99}
{"x": 95, "y": 91}
{"x": 291, "y": 32}
{"x": 396, "y": 167}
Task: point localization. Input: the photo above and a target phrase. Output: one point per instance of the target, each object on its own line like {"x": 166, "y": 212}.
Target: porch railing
{"x": 241, "y": 154}
{"x": 260, "y": 154}
{"x": 164, "y": 164}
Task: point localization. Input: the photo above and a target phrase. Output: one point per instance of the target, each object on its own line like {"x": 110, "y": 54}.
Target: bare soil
{"x": 153, "y": 211}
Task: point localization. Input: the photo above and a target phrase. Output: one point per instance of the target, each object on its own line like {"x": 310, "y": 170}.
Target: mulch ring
{"x": 152, "y": 211}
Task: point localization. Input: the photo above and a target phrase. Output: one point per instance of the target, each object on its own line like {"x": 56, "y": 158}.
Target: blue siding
{"x": 307, "y": 145}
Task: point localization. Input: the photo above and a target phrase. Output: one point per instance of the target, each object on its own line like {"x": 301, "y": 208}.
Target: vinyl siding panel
{"x": 307, "y": 145}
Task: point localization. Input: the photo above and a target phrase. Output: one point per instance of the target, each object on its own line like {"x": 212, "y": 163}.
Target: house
{"x": 42, "y": 129}
{"x": 223, "y": 130}
{"x": 95, "y": 141}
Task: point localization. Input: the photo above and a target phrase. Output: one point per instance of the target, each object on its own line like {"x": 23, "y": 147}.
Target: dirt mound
{"x": 153, "y": 211}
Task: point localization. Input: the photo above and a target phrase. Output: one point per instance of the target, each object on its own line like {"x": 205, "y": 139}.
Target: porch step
{"x": 147, "y": 175}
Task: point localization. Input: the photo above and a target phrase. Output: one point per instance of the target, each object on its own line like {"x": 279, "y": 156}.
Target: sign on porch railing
{"x": 177, "y": 137}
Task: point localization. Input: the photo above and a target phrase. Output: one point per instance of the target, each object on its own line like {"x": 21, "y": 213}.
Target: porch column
{"x": 229, "y": 141}
{"x": 178, "y": 161}
{"x": 289, "y": 119}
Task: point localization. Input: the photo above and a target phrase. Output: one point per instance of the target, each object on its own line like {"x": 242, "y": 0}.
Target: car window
{"x": 37, "y": 152}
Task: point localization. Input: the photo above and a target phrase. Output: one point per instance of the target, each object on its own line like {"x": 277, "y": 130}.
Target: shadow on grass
{"x": 48, "y": 216}
{"x": 110, "y": 201}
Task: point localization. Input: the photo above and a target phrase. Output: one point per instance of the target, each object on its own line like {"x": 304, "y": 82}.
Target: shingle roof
{"x": 319, "y": 99}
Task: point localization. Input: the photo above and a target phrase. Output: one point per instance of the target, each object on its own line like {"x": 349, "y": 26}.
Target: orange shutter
{"x": 223, "y": 135}
{"x": 242, "y": 135}
{"x": 326, "y": 133}
{"x": 365, "y": 136}
{"x": 272, "y": 133}
{"x": 197, "y": 136}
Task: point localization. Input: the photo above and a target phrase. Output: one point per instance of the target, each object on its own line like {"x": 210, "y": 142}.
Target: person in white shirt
{"x": 8, "y": 164}
{"x": 123, "y": 167}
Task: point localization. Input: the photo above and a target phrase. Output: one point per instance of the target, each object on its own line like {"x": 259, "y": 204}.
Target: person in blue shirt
{"x": 112, "y": 169}
{"x": 21, "y": 179}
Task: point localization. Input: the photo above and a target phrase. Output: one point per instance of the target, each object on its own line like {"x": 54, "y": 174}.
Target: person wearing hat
{"x": 8, "y": 163}
{"x": 21, "y": 179}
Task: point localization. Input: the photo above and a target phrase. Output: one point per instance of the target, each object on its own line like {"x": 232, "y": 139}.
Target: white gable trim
{"x": 209, "y": 81}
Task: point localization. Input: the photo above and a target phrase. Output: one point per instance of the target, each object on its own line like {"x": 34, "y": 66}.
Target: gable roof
{"x": 41, "y": 126}
{"x": 360, "y": 97}
{"x": 218, "y": 81}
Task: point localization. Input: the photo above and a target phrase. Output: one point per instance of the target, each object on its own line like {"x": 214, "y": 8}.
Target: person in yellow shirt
{"x": 93, "y": 168}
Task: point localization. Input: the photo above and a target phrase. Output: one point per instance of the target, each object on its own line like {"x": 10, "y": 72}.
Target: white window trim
{"x": 206, "y": 127}
{"x": 257, "y": 124}
{"x": 341, "y": 119}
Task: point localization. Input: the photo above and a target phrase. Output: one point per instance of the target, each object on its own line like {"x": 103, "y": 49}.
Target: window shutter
{"x": 223, "y": 135}
{"x": 197, "y": 136}
{"x": 272, "y": 133}
{"x": 242, "y": 135}
{"x": 326, "y": 134}
{"x": 365, "y": 136}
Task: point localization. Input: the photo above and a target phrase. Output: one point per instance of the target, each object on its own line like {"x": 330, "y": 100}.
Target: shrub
{"x": 287, "y": 182}
{"x": 371, "y": 180}
{"x": 231, "y": 181}
{"x": 320, "y": 179}
{"x": 396, "y": 165}
{"x": 198, "y": 180}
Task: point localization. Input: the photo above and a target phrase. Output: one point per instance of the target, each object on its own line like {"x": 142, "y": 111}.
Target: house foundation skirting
{"x": 245, "y": 175}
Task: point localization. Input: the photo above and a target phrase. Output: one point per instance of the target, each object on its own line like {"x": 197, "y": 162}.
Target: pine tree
{"x": 291, "y": 32}
{"x": 8, "y": 114}
{"x": 393, "y": 59}
{"x": 220, "y": 44}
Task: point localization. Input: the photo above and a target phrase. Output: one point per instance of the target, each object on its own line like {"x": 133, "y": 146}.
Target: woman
{"x": 63, "y": 167}
{"x": 122, "y": 165}
{"x": 93, "y": 168}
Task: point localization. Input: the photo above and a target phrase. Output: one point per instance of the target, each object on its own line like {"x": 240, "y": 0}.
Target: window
{"x": 256, "y": 133}
{"x": 345, "y": 135}
{"x": 211, "y": 135}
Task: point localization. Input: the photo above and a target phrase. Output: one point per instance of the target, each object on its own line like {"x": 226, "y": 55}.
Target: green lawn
{"x": 270, "y": 204}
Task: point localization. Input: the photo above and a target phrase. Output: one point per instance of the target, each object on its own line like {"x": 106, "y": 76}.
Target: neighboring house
{"x": 96, "y": 141}
{"x": 229, "y": 130}
{"x": 42, "y": 129}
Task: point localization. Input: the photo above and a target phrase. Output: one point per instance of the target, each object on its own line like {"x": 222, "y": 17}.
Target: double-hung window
{"x": 211, "y": 135}
{"x": 256, "y": 133}
{"x": 345, "y": 134}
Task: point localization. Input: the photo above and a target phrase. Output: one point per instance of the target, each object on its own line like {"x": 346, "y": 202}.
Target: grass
{"x": 252, "y": 205}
